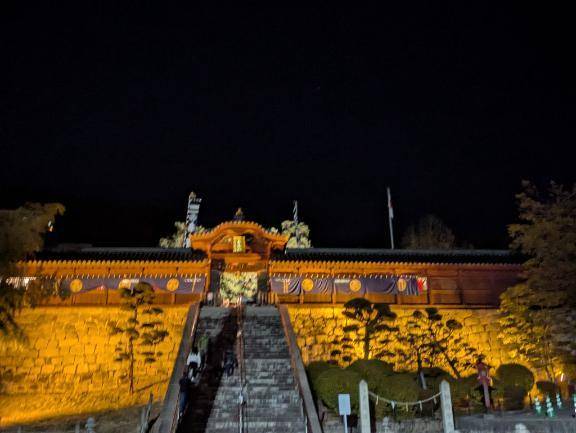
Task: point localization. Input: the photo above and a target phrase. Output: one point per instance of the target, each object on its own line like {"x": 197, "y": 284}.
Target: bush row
{"x": 511, "y": 384}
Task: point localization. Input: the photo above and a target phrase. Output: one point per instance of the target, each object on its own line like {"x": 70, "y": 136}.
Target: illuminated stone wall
{"x": 67, "y": 365}
{"x": 317, "y": 327}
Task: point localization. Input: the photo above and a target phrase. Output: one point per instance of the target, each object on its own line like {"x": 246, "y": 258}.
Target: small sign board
{"x": 344, "y": 404}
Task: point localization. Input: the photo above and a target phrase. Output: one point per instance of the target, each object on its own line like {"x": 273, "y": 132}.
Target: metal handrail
{"x": 241, "y": 367}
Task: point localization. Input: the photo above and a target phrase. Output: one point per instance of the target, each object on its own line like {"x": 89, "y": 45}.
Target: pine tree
{"x": 538, "y": 315}
{"x": 373, "y": 320}
{"x": 298, "y": 234}
{"x": 440, "y": 342}
{"x": 233, "y": 285}
{"x": 141, "y": 332}
{"x": 176, "y": 240}
{"x": 416, "y": 345}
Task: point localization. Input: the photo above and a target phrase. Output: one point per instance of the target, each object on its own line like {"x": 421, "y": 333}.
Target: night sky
{"x": 119, "y": 111}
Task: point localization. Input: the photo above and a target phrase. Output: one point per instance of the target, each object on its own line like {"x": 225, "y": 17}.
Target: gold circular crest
{"x": 401, "y": 284}
{"x": 355, "y": 285}
{"x": 124, "y": 284}
{"x": 76, "y": 285}
{"x": 172, "y": 284}
{"x": 307, "y": 284}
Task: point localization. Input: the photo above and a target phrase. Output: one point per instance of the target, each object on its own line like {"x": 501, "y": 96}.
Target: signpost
{"x": 344, "y": 408}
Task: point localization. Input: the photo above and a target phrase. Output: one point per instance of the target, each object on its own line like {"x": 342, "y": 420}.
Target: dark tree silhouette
{"x": 428, "y": 234}
{"x": 373, "y": 320}
{"x": 22, "y": 233}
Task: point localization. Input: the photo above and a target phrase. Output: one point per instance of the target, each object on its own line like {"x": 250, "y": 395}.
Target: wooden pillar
{"x": 397, "y": 299}
{"x": 301, "y": 295}
{"x": 429, "y": 287}
{"x": 460, "y": 289}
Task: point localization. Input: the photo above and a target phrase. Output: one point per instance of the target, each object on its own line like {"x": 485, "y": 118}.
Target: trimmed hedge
{"x": 334, "y": 381}
{"x": 569, "y": 370}
{"x": 513, "y": 382}
{"x": 397, "y": 387}
{"x": 466, "y": 394}
{"x": 371, "y": 370}
{"x": 434, "y": 376}
{"x": 429, "y": 407}
{"x": 515, "y": 375}
{"x": 547, "y": 388}
{"x": 316, "y": 368}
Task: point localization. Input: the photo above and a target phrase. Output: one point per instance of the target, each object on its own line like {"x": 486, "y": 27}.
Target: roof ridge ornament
{"x": 239, "y": 215}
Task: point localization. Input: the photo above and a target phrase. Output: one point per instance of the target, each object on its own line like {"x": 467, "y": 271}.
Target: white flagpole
{"x": 390, "y": 217}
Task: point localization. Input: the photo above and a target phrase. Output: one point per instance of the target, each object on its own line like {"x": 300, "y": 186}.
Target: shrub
{"x": 315, "y": 369}
{"x": 334, "y": 381}
{"x": 371, "y": 370}
{"x": 515, "y": 375}
{"x": 428, "y": 407}
{"x": 547, "y": 388}
{"x": 466, "y": 394}
{"x": 513, "y": 397}
{"x": 397, "y": 387}
{"x": 434, "y": 376}
{"x": 569, "y": 370}
{"x": 513, "y": 382}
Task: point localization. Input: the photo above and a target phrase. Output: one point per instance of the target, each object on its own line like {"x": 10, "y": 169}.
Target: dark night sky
{"x": 119, "y": 111}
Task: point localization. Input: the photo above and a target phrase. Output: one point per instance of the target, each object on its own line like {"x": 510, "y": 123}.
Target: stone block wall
{"x": 316, "y": 327}
{"x": 67, "y": 364}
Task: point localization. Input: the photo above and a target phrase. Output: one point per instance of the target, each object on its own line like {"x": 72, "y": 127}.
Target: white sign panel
{"x": 344, "y": 404}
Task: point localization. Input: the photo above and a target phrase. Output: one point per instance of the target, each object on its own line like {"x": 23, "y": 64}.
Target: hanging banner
{"x": 180, "y": 285}
{"x": 422, "y": 284}
{"x": 83, "y": 285}
{"x": 406, "y": 285}
{"x": 349, "y": 285}
{"x": 316, "y": 285}
{"x": 285, "y": 284}
{"x": 381, "y": 284}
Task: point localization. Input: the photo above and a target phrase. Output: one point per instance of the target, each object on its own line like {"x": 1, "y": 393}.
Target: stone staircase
{"x": 213, "y": 406}
{"x": 272, "y": 401}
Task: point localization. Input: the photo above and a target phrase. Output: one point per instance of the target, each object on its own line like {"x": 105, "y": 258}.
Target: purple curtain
{"x": 180, "y": 285}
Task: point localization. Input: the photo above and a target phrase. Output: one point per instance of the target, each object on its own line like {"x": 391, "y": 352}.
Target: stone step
{"x": 274, "y": 426}
{"x": 259, "y": 375}
{"x": 271, "y": 425}
{"x": 271, "y": 382}
{"x": 273, "y": 403}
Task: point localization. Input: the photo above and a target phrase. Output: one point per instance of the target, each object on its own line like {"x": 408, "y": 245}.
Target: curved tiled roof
{"x": 399, "y": 256}
{"x": 240, "y": 223}
{"x": 292, "y": 254}
{"x": 119, "y": 254}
